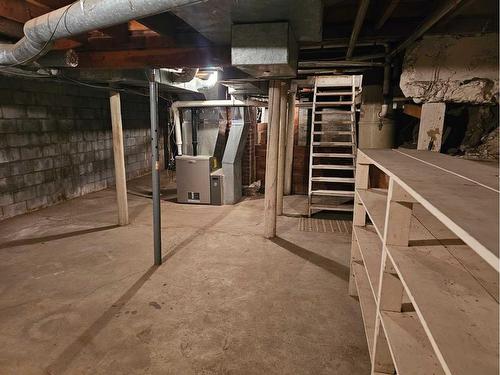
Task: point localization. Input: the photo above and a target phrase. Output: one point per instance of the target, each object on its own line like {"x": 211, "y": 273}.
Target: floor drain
{"x": 307, "y": 224}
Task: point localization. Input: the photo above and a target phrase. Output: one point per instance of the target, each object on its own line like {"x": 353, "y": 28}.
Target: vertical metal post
{"x": 195, "y": 118}
{"x": 155, "y": 163}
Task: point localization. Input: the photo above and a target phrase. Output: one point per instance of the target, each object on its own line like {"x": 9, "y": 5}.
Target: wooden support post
{"x": 119, "y": 158}
{"x": 382, "y": 360}
{"x": 359, "y": 218}
{"x": 430, "y": 133}
{"x": 397, "y": 216}
{"x": 361, "y": 182}
{"x": 272, "y": 160}
{"x": 290, "y": 139}
{"x": 390, "y": 291}
{"x": 282, "y": 148}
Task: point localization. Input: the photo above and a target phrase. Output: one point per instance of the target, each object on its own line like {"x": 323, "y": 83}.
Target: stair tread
{"x": 331, "y": 155}
{"x": 332, "y": 104}
{"x": 332, "y": 207}
{"x": 333, "y": 193}
{"x": 334, "y": 111}
{"x": 339, "y": 132}
{"x": 334, "y": 93}
{"x": 333, "y": 166}
{"x": 334, "y": 122}
{"x": 327, "y": 144}
{"x": 333, "y": 179}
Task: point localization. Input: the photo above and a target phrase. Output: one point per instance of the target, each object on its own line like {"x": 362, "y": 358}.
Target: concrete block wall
{"x": 56, "y": 142}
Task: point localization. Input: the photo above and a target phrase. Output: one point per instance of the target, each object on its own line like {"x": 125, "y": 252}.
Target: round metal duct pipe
{"x": 78, "y": 18}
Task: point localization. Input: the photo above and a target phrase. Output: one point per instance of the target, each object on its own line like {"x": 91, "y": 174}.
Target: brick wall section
{"x": 56, "y": 142}
{"x": 248, "y": 163}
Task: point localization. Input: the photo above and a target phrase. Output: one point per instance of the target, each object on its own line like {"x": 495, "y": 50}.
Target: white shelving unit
{"x": 424, "y": 263}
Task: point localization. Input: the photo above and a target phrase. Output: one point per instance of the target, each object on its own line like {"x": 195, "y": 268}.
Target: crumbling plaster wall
{"x": 56, "y": 142}
{"x": 452, "y": 69}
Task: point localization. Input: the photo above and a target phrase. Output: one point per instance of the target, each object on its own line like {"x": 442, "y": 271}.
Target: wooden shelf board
{"x": 367, "y": 302}
{"x": 458, "y": 315}
{"x": 410, "y": 348}
{"x": 485, "y": 173}
{"x": 375, "y": 202}
{"x": 465, "y": 206}
{"x": 471, "y": 261}
{"x": 370, "y": 247}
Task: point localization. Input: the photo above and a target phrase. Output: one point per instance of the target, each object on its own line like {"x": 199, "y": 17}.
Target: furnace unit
{"x": 212, "y": 145}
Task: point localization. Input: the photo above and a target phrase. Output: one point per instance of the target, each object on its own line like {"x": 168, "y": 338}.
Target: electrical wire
{"x": 8, "y": 71}
{"x": 108, "y": 88}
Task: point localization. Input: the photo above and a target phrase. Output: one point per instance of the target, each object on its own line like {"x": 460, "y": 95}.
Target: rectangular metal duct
{"x": 264, "y": 49}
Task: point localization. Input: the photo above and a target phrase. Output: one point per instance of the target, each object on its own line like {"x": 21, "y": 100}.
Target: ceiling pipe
{"x": 358, "y": 24}
{"x": 386, "y": 90}
{"x": 373, "y": 56}
{"x": 78, "y": 18}
{"x": 337, "y": 63}
{"x": 428, "y": 23}
{"x": 344, "y": 43}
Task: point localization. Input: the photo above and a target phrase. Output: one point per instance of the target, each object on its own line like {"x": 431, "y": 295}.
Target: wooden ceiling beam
{"x": 10, "y": 28}
{"x": 136, "y": 41}
{"x": 20, "y": 11}
{"x": 120, "y": 33}
{"x": 53, "y": 4}
{"x": 64, "y": 44}
{"x": 358, "y": 24}
{"x": 168, "y": 24}
{"x": 386, "y": 13}
{"x": 156, "y": 58}
{"x": 137, "y": 26}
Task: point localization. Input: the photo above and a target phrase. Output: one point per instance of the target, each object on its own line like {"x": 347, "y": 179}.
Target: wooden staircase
{"x": 333, "y": 143}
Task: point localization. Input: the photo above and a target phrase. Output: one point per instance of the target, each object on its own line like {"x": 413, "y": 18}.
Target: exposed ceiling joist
{"x": 119, "y": 32}
{"x": 20, "y": 11}
{"x": 358, "y": 24}
{"x": 434, "y": 18}
{"x": 11, "y": 28}
{"x": 137, "y": 41}
{"x": 386, "y": 14}
{"x": 168, "y": 24}
{"x": 157, "y": 58}
{"x": 53, "y": 4}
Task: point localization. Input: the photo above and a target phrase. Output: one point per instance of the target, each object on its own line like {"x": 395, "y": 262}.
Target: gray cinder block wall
{"x": 56, "y": 142}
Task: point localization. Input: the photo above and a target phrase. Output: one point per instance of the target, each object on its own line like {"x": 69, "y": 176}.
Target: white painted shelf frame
{"x": 424, "y": 263}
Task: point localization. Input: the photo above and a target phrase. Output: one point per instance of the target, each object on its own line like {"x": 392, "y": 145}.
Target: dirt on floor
{"x": 79, "y": 295}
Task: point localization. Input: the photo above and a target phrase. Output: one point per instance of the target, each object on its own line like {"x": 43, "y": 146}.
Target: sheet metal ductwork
{"x": 78, "y": 18}
{"x": 264, "y": 50}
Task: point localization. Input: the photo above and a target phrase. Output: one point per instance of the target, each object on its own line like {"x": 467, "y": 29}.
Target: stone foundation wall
{"x": 452, "y": 69}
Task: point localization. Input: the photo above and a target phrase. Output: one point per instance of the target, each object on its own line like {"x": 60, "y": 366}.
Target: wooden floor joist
{"x": 164, "y": 57}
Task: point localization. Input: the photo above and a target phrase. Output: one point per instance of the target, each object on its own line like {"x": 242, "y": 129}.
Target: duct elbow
{"x": 383, "y": 110}
{"x": 186, "y": 75}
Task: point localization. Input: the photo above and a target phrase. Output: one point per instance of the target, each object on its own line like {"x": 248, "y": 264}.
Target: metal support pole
{"x": 195, "y": 118}
{"x": 155, "y": 164}
{"x": 272, "y": 160}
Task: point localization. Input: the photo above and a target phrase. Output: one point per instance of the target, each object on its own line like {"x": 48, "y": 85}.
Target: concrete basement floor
{"x": 79, "y": 295}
